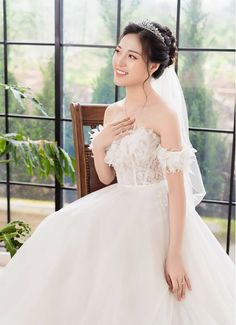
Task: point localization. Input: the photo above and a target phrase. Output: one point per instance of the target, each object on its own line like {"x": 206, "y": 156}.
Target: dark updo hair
{"x": 154, "y": 50}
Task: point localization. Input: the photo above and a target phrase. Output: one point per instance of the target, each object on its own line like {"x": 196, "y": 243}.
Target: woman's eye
{"x": 132, "y": 57}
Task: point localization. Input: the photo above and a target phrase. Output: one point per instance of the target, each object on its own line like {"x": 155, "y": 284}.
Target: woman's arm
{"x": 174, "y": 269}
{"x": 171, "y": 139}
{"x": 106, "y": 173}
{"x": 177, "y": 211}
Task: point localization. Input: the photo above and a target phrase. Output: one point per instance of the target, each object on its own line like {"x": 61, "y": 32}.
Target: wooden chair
{"x": 86, "y": 176}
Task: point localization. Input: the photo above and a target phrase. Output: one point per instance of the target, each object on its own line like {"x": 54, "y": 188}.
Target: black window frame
{"x": 59, "y": 45}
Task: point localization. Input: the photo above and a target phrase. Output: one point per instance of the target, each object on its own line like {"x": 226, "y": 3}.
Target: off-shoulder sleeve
{"x": 92, "y": 135}
{"x": 173, "y": 160}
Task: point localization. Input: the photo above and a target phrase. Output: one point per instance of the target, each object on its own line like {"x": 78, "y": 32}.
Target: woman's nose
{"x": 121, "y": 61}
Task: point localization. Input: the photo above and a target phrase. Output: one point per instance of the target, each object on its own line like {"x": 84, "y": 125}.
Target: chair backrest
{"x": 86, "y": 176}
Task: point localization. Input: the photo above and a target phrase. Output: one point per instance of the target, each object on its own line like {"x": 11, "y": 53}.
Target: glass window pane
{"x": 88, "y": 76}
{"x": 68, "y": 145}
{"x": 3, "y": 205}
{"x": 33, "y": 67}
{"x": 160, "y": 11}
{"x": 35, "y": 19}
{"x": 216, "y": 218}
{"x": 207, "y": 24}
{"x": 69, "y": 196}
{"x": 1, "y": 20}
{"x": 2, "y": 170}
{"x": 31, "y": 204}
{"x": 2, "y": 102}
{"x": 2, "y": 165}
{"x": 232, "y": 236}
{"x": 2, "y": 124}
{"x": 214, "y": 158}
{"x": 209, "y": 87}
{"x": 90, "y": 22}
{"x": 35, "y": 130}
{"x": 234, "y": 181}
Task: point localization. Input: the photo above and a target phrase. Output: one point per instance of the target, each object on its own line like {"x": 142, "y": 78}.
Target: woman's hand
{"x": 175, "y": 275}
{"x": 112, "y": 132}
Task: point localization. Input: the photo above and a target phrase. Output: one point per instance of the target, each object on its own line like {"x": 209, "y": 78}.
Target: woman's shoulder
{"x": 112, "y": 111}
{"x": 162, "y": 116}
{"x": 115, "y": 106}
{"x": 164, "y": 110}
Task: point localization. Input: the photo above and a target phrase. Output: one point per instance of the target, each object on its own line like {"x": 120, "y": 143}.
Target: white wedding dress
{"x": 100, "y": 260}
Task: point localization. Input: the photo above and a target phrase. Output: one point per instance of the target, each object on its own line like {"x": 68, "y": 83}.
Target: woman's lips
{"x": 120, "y": 73}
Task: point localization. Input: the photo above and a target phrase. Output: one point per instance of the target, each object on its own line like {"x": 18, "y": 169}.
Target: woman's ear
{"x": 153, "y": 67}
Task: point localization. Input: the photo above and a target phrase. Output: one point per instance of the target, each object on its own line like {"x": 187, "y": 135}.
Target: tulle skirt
{"x": 100, "y": 261}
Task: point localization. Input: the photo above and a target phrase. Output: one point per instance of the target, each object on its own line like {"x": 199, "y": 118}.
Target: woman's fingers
{"x": 175, "y": 286}
{"x": 178, "y": 289}
{"x": 183, "y": 294}
{"x": 181, "y": 291}
{"x": 168, "y": 280}
{"x": 123, "y": 127}
{"x": 124, "y": 121}
{"x": 121, "y": 121}
{"x": 188, "y": 282}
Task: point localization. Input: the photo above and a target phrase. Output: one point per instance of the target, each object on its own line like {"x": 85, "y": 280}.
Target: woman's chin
{"x": 120, "y": 83}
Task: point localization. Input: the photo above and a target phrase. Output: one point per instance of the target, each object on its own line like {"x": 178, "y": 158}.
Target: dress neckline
{"x": 148, "y": 130}
{"x": 138, "y": 129}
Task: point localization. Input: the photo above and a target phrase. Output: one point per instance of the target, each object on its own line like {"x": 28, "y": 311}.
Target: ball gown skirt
{"x": 100, "y": 260}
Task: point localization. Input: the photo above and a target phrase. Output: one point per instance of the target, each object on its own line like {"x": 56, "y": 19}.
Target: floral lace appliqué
{"x": 92, "y": 135}
{"x": 173, "y": 161}
{"x": 138, "y": 158}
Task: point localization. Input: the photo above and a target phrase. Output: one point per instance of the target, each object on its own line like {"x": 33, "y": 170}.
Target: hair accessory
{"x": 146, "y": 24}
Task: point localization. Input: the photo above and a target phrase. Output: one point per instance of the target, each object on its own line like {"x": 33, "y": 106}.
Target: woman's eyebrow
{"x": 130, "y": 50}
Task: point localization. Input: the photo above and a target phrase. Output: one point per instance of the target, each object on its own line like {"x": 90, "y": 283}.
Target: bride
{"x": 135, "y": 252}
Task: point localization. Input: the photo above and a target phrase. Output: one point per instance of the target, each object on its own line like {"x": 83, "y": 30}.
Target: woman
{"x": 135, "y": 252}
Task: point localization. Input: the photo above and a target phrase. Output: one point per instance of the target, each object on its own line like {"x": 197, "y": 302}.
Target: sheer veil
{"x": 169, "y": 88}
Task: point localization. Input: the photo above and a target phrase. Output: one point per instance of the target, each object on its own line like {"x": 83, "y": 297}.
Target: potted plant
{"x": 42, "y": 155}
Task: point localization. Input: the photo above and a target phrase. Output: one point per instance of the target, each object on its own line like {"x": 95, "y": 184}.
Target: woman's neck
{"x": 138, "y": 95}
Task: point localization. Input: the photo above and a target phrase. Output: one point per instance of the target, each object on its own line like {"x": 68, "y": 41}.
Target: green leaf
{"x": 24, "y": 93}
{"x": 9, "y": 245}
{"x": 41, "y": 155}
{"x": 2, "y": 145}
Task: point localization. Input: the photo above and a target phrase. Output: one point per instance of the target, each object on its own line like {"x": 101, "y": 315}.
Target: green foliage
{"x": 21, "y": 93}
{"x": 47, "y": 96}
{"x": 103, "y": 87}
{"x": 37, "y": 167}
{"x": 194, "y": 24}
{"x": 44, "y": 155}
{"x": 13, "y": 235}
{"x": 104, "y": 91}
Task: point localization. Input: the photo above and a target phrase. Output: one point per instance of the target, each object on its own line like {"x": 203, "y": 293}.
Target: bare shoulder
{"x": 162, "y": 116}
{"x": 170, "y": 128}
{"x": 113, "y": 106}
{"x": 166, "y": 124}
{"x": 168, "y": 116}
{"x": 112, "y": 111}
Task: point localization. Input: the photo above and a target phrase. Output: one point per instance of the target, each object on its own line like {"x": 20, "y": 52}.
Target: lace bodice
{"x": 139, "y": 159}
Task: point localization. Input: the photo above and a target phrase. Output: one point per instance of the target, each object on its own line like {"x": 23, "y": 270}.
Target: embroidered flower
{"x": 175, "y": 160}
{"x": 133, "y": 157}
{"x": 134, "y": 148}
{"x": 93, "y": 135}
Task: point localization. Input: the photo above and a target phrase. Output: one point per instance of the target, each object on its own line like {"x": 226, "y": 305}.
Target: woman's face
{"x": 129, "y": 66}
